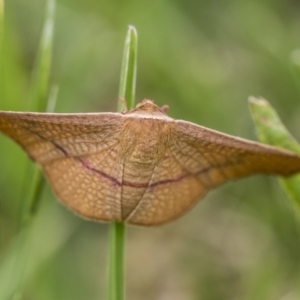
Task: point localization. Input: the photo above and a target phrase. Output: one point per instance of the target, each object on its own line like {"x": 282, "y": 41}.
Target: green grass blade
{"x": 128, "y": 69}
{"x": 116, "y": 261}
{"x": 41, "y": 73}
{"x": 1, "y": 43}
{"x": 39, "y": 102}
{"x": 270, "y": 130}
{"x": 34, "y": 194}
{"x": 34, "y": 183}
{"x": 117, "y": 229}
{"x": 295, "y": 67}
{"x": 30, "y": 249}
{"x": 38, "y": 181}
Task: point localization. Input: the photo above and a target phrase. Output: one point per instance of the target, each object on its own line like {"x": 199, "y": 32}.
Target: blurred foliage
{"x": 270, "y": 130}
{"x": 203, "y": 59}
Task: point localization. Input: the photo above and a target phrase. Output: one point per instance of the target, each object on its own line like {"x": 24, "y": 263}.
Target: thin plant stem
{"x": 272, "y": 131}
{"x": 39, "y": 98}
{"x": 38, "y": 179}
{"x": 1, "y": 45}
{"x": 128, "y": 70}
{"x": 41, "y": 72}
{"x": 116, "y": 262}
{"x": 40, "y": 101}
{"x": 118, "y": 229}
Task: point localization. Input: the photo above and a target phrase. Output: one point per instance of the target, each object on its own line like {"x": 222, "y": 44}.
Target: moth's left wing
{"x": 214, "y": 157}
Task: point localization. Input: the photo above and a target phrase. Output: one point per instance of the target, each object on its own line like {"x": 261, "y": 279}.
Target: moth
{"x": 141, "y": 166}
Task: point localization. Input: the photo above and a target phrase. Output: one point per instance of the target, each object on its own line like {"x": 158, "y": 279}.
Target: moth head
{"x": 148, "y": 106}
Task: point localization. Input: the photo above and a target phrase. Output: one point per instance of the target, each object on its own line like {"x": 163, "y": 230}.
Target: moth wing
{"x": 214, "y": 157}
{"x": 47, "y": 137}
{"x": 198, "y": 159}
{"x": 90, "y": 185}
{"x": 79, "y": 155}
{"x": 170, "y": 192}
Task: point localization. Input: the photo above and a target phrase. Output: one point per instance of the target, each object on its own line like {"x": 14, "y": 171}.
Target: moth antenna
{"x": 165, "y": 108}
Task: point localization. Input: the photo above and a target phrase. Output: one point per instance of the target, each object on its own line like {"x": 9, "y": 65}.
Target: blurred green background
{"x": 203, "y": 59}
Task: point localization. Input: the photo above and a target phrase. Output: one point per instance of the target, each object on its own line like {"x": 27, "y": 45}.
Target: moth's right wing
{"x": 216, "y": 157}
{"x": 47, "y": 137}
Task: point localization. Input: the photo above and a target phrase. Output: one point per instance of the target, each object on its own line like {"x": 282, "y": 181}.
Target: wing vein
{"x": 143, "y": 195}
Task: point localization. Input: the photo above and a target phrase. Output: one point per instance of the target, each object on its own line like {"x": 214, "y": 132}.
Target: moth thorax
{"x": 146, "y": 141}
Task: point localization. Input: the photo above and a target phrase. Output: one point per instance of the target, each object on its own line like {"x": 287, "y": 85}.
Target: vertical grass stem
{"x": 117, "y": 229}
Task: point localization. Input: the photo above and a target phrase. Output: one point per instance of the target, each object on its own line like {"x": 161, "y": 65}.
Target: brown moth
{"x": 141, "y": 167}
